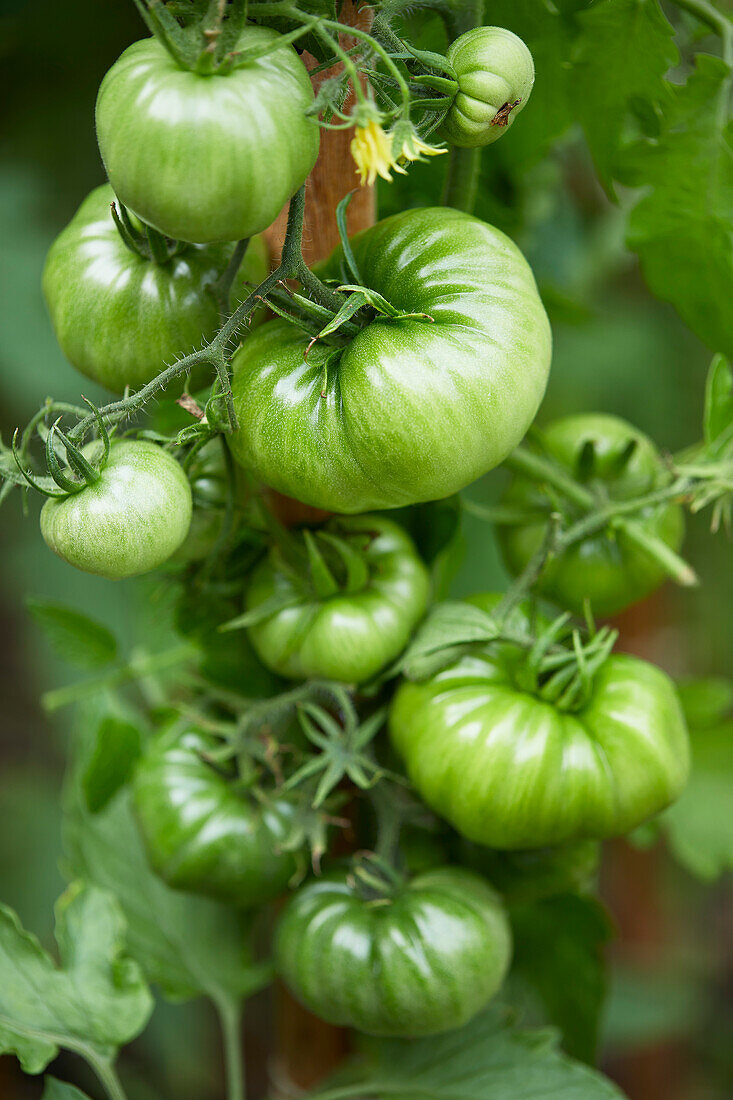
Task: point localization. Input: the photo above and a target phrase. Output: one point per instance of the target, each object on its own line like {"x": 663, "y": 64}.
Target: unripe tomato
{"x": 204, "y": 834}
{"x": 353, "y": 633}
{"x": 129, "y": 521}
{"x": 408, "y": 410}
{"x": 207, "y": 157}
{"x": 422, "y": 960}
{"x": 120, "y": 318}
{"x": 510, "y": 770}
{"x": 495, "y": 74}
{"x": 617, "y": 462}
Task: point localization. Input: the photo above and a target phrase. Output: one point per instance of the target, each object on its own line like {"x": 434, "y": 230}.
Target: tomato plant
{"x": 300, "y": 752}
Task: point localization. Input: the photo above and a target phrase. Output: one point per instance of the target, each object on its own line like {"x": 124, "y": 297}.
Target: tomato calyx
{"x": 80, "y": 469}
{"x": 374, "y": 879}
{"x": 145, "y": 242}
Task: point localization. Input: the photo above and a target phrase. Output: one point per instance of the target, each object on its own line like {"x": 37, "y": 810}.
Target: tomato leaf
{"x": 448, "y": 628}
{"x": 96, "y": 1001}
{"x": 116, "y": 748}
{"x": 718, "y": 416}
{"x": 682, "y": 228}
{"x": 548, "y": 30}
{"x": 699, "y": 827}
{"x": 78, "y": 639}
{"x": 577, "y": 926}
{"x": 53, "y": 1089}
{"x": 490, "y": 1057}
{"x": 633, "y": 40}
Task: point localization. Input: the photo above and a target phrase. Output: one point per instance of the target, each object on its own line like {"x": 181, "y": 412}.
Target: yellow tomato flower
{"x": 407, "y": 145}
{"x": 371, "y": 149}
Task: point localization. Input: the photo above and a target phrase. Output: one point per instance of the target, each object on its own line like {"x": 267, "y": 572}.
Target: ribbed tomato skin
{"x": 511, "y": 771}
{"x": 204, "y": 835}
{"x": 348, "y": 636}
{"x": 607, "y": 568}
{"x": 422, "y": 962}
{"x": 494, "y": 68}
{"x": 207, "y": 157}
{"x": 413, "y": 410}
{"x": 121, "y": 319}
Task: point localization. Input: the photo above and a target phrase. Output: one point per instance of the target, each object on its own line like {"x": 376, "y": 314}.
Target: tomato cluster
{"x": 528, "y": 750}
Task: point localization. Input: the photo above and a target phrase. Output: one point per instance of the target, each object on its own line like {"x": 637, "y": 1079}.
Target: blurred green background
{"x": 616, "y": 349}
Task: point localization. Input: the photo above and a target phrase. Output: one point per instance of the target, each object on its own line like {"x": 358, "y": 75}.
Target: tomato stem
{"x": 230, "y": 1018}
{"x": 464, "y": 165}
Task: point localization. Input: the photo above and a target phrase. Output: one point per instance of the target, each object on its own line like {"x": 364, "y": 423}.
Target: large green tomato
{"x": 353, "y": 633}
{"x": 424, "y": 960}
{"x": 409, "y": 410}
{"x": 129, "y": 521}
{"x": 120, "y": 318}
{"x": 509, "y": 770}
{"x": 207, "y": 157}
{"x": 617, "y": 462}
{"x": 204, "y": 834}
{"x": 495, "y": 74}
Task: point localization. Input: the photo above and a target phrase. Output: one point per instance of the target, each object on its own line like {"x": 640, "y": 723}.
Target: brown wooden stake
{"x": 632, "y": 886}
{"x": 305, "y": 1048}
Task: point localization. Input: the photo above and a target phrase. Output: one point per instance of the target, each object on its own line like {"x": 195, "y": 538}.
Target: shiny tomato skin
{"x": 129, "y": 521}
{"x": 423, "y": 961}
{"x": 495, "y": 74}
{"x": 202, "y": 833}
{"x": 119, "y": 318}
{"x": 210, "y": 157}
{"x": 413, "y": 410}
{"x": 347, "y": 636}
{"x": 509, "y": 770}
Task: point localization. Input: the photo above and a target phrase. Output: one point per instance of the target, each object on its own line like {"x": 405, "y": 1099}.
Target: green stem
{"x": 223, "y": 286}
{"x": 709, "y": 15}
{"x": 107, "y": 1074}
{"x": 538, "y": 469}
{"x": 157, "y": 662}
{"x": 464, "y": 165}
{"x": 461, "y": 185}
{"x": 230, "y": 1019}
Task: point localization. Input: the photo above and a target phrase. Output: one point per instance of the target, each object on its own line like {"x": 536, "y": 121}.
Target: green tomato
{"x": 510, "y": 770}
{"x": 408, "y": 410}
{"x": 209, "y": 479}
{"x": 495, "y": 74}
{"x": 530, "y": 875}
{"x": 207, "y": 157}
{"x": 617, "y": 462}
{"x": 421, "y": 961}
{"x": 353, "y": 633}
{"x": 129, "y": 521}
{"x": 202, "y": 833}
{"x": 120, "y": 318}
